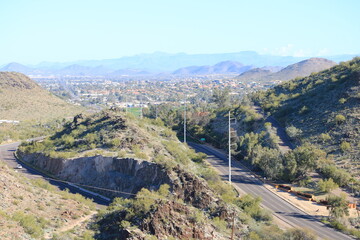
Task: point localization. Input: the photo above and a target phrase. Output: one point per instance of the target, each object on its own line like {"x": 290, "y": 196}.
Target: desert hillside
{"x": 22, "y": 99}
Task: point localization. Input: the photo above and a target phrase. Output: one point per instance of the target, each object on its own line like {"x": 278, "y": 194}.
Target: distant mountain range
{"x": 300, "y": 69}
{"x": 158, "y": 62}
{"x": 225, "y": 67}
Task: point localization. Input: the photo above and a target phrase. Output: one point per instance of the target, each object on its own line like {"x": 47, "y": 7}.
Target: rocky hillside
{"x": 300, "y": 69}
{"x": 168, "y": 189}
{"x": 22, "y": 99}
{"x": 325, "y": 107}
{"x": 34, "y": 209}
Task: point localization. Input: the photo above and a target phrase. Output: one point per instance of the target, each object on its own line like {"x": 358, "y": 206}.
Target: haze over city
{"x": 35, "y": 31}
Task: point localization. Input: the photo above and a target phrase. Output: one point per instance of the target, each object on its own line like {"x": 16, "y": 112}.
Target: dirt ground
{"x": 309, "y": 207}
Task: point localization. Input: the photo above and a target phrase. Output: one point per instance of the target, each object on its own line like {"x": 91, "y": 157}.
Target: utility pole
{"x": 185, "y": 119}
{"x": 229, "y": 149}
{"x": 125, "y": 97}
{"x": 156, "y": 111}
{"x": 230, "y": 144}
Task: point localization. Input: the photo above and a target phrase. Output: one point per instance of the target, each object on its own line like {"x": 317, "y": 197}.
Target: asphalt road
{"x": 281, "y": 208}
{"x": 7, "y": 155}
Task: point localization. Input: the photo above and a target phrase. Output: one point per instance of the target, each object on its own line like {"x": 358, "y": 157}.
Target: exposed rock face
{"x": 126, "y": 175}
{"x": 122, "y": 174}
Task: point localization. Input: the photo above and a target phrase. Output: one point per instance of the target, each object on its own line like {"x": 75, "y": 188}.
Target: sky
{"x": 33, "y": 31}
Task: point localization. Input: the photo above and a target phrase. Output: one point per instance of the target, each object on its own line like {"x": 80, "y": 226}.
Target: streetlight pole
{"x": 229, "y": 149}
{"x": 185, "y": 119}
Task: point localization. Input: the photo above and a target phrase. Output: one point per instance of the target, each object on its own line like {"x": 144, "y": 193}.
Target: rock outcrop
{"x": 126, "y": 175}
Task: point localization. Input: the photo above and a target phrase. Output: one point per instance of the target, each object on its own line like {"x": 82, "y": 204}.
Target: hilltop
{"x": 22, "y": 99}
{"x": 300, "y": 69}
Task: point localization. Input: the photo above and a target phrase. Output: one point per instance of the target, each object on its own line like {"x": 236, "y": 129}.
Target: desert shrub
{"x": 166, "y": 163}
{"x": 342, "y": 100}
{"x": 177, "y": 152}
{"x": 339, "y": 119}
{"x": 302, "y": 234}
{"x": 345, "y": 146}
{"x": 305, "y": 182}
{"x": 304, "y": 110}
{"x": 251, "y": 206}
{"x": 64, "y": 155}
{"x": 325, "y": 137}
{"x": 293, "y": 132}
{"x": 219, "y": 224}
{"x": 141, "y": 155}
{"x": 198, "y": 157}
{"x": 138, "y": 153}
{"x": 67, "y": 141}
{"x": 339, "y": 176}
{"x": 338, "y": 206}
{"x": 121, "y": 153}
{"x": 39, "y": 182}
{"x": 31, "y": 224}
{"x": 114, "y": 143}
{"x": 327, "y": 185}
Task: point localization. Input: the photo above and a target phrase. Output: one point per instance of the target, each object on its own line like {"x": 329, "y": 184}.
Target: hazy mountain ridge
{"x": 300, "y": 69}
{"x": 225, "y": 67}
{"x": 155, "y": 63}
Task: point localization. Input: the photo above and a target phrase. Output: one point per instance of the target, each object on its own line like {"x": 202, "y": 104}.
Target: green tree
{"x": 306, "y": 157}
{"x": 221, "y": 97}
{"x": 269, "y": 160}
{"x": 293, "y": 132}
{"x": 338, "y": 206}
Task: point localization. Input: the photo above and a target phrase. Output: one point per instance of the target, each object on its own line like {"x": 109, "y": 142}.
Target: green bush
{"x": 325, "y": 137}
{"x": 293, "y": 132}
{"x": 339, "y": 119}
{"x": 338, "y": 206}
{"x": 327, "y": 185}
{"x": 342, "y": 100}
{"x": 339, "y": 176}
{"x": 32, "y": 225}
{"x": 345, "y": 146}
{"x": 251, "y": 206}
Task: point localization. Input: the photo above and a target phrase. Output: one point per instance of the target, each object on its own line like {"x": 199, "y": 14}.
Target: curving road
{"x": 282, "y": 209}
{"x": 7, "y": 155}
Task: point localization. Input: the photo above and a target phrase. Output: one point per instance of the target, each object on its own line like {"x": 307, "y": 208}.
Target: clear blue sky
{"x": 66, "y": 30}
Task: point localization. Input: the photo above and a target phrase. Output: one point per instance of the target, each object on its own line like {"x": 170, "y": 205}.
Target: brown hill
{"x": 23, "y": 99}
{"x": 300, "y": 69}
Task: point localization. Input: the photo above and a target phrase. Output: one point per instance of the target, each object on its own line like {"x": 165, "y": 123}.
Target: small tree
{"x": 338, "y": 206}
{"x": 293, "y": 132}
